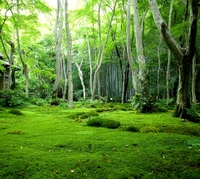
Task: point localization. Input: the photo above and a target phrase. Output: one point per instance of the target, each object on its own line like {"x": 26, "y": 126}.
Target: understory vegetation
{"x": 100, "y": 141}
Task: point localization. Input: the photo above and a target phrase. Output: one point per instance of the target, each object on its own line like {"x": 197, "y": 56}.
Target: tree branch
{"x": 174, "y": 47}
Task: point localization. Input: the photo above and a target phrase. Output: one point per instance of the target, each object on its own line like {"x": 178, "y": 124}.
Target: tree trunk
{"x": 194, "y": 99}
{"x": 184, "y": 57}
{"x": 159, "y": 67}
{"x": 140, "y": 51}
{"x": 69, "y": 58}
{"x": 101, "y": 46}
{"x": 65, "y": 78}
{"x": 80, "y": 73}
{"x": 134, "y": 69}
{"x": 169, "y": 54}
{"x": 25, "y": 67}
{"x": 90, "y": 61}
{"x": 58, "y": 38}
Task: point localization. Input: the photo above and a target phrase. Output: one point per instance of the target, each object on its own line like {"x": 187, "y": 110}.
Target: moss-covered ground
{"x": 47, "y": 142}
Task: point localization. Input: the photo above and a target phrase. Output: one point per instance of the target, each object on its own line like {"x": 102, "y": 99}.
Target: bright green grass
{"x": 46, "y": 143}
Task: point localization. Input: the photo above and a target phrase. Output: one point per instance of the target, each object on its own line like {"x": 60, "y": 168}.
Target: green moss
{"x": 52, "y": 147}
{"x": 132, "y": 128}
{"x": 148, "y": 129}
{"x": 16, "y": 112}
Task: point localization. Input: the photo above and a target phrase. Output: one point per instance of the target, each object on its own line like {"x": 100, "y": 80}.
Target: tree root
{"x": 187, "y": 113}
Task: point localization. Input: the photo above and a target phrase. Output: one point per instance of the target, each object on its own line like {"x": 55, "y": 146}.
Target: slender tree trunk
{"x": 69, "y": 58}
{"x": 99, "y": 85}
{"x": 101, "y": 46}
{"x": 169, "y": 54}
{"x": 80, "y": 73}
{"x": 159, "y": 68}
{"x": 134, "y": 69}
{"x": 107, "y": 82}
{"x": 142, "y": 76}
{"x": 90, "y": 61}
{"x": 25, "y": 67}
{"x": 11, "y": 77}
{"x": 65, "y": 78}
{"x": 184, "y": 57}
{"x": 194, "y": 99}
{"x": 58, "y": 37}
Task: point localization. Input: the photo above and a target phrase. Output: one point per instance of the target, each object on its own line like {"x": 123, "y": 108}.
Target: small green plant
{"x": 143, "y": 104}
{"x": 55, "y": 102}
{"x": 16, "y": 112}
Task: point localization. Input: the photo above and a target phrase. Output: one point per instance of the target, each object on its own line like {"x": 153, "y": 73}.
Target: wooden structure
{"x": 4, "y": 73}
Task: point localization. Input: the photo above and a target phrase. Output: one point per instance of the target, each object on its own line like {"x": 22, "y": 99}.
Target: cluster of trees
{"x": 105, "y": 49}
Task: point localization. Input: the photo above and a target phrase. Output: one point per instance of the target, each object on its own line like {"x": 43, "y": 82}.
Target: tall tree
{"x": 69, "y": 57}
{"x": 132, "y": 63}
{"x": 58, "y": 37}
{"x": 184, "y": 57}
{"x": 142, "y": 76}
{"x": 169, "y": 53}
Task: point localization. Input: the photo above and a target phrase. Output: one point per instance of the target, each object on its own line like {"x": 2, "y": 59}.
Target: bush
{"x": 111, "y": 124}
{"x": 95, "y": 122}
{"x": 132, "y": 129}
{"x": 100, "y": 122}
{"x": 75, "y": 115}
{"x": 12, "y": 98}
{"x": 143, "y": 104}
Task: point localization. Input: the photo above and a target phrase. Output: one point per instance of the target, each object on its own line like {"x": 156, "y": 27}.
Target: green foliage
{"x": 56, "y": 102}
{"x": 142, "y": 104}
{"x": 12, "y": 98}
{"x": 16, "y": 112}
{"x": 194, "y": 142}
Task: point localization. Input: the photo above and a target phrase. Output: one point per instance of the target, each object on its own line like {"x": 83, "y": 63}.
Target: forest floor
{"x": 47, "y": 142}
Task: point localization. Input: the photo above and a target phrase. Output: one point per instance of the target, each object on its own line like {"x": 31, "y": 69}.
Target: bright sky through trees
{"x": 73, "y": 4}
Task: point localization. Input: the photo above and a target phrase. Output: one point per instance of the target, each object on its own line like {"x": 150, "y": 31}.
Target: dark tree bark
{"x": 184, "y": 57}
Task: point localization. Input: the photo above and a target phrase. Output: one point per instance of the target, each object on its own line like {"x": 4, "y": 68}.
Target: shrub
{"x": 95, "y": 122}
{"x": 75, "y": 115}
{"x": 111, "y": 124}
{"x": 12, "y": 98}
{"x": 132, "y": 129}
{"x": 55, "y": 102}
{"x": 84, "y": 116}
{"x": 93, "y": 113}
{"x": 16, "y": 112}
{"x": 100, "y": 122}
{"x": 143, "y": 104}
